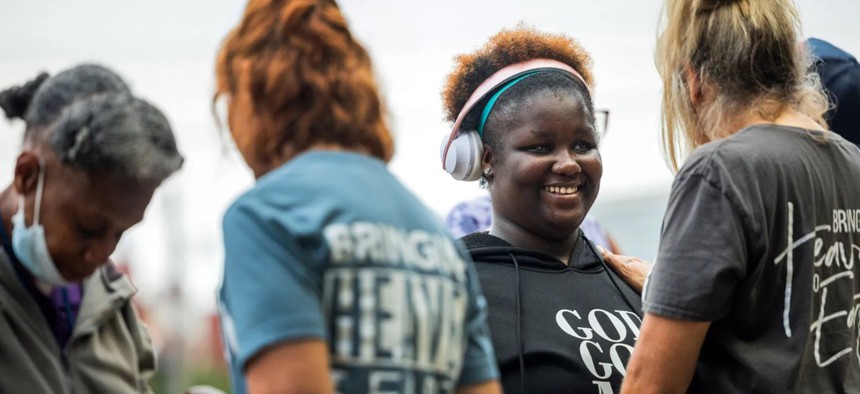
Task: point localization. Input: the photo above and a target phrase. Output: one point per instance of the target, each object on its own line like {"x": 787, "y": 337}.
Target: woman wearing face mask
{"x": 561, "y": 321}
{"x": 92, "y": 157}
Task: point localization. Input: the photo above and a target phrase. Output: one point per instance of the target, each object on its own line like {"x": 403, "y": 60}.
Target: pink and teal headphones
{"x": 462, "y": 149}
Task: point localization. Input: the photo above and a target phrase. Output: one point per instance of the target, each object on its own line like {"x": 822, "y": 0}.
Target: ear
{"x": 26, "y": 172}
{"x": 487, "y": 162}
{"x": 694, "y": 84}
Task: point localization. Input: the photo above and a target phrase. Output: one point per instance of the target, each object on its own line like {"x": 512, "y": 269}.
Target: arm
{"x": 665, "y": 355}
{"x": 491, "y": 387}
{"x": 632, "y": 270}
{"x": 146, "y": 359}
{"x": 270, "y": 305}
{"x": 702, "y": 257}
{"x": 300, "y": 366}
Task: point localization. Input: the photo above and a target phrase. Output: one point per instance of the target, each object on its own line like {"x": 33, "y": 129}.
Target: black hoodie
{"x": 570, "y": 328}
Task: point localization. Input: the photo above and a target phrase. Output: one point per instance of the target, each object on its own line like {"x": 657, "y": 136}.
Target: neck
{"x": 522, "y": 238}
{"x": 287, "y": 154}
{"x": 796, "y": 119}
{"x": 788, "y": 117}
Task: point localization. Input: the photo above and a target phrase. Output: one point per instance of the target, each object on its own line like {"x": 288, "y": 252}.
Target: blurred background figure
{"x": 336, "y": 277}
{"x": 476, "y": 215}
{"x": 92, "y": 156}
{"x": 840, "y": 76}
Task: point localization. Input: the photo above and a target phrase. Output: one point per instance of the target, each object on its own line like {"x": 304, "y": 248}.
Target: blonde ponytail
{"x": 746, "y": 53}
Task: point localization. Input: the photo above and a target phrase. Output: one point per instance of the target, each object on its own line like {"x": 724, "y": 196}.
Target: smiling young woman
{"x": 561, "y": 321}
{"x": 548, "y": 160}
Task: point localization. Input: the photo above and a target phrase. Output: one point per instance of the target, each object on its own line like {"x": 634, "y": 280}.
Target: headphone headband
{"x": 502, "y": 77}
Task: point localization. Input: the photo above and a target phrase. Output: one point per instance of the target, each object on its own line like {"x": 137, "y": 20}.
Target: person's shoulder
{"x": 701, "y": 162}
{"x": 482, "y": 239}
{"x": 766, "y": 144}
{"x": 258, "y": 205}
{"x": 756, "y": 138}
{"x": 279, "y": 190}
{"x": 746, "y": 148}
{"x": 247, "y": 201}
{"x": 331, "y": 163}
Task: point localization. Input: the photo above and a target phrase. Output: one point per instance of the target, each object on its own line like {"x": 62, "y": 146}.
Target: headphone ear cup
{"x": 463, "y": 160}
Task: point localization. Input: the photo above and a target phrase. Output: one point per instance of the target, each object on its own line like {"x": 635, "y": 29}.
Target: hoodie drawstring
{"x": 608, "y": 272}
{"x": 519, "y": 327}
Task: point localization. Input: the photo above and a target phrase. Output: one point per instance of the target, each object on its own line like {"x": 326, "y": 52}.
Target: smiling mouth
{"x": 561, "y": 190}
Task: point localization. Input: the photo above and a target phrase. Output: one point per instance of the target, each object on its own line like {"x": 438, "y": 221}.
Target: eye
{"x": 89, "y": 232}
{"x": 539, "y": 148}
{"x": 583, "y": 146}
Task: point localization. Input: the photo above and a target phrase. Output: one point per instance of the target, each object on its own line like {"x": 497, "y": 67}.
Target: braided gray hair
{"x": 89, "y": 117}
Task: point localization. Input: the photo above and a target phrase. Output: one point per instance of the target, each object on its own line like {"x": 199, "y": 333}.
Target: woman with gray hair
{"x": 755, "y": 288}
{"x": 93, "y": 154}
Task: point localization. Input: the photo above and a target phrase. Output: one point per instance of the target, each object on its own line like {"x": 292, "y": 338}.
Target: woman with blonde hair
{"x": 336, "y": 277}
{"x": 755, "y": 288}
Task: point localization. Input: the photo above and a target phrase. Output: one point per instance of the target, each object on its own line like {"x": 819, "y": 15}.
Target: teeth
{"x": 561, "y": 190}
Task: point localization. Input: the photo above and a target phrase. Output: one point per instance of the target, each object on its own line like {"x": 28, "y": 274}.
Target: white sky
{"x": 165, "y": 49}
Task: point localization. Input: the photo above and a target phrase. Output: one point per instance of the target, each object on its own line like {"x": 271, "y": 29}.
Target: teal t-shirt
{"x": 332, "y": 246}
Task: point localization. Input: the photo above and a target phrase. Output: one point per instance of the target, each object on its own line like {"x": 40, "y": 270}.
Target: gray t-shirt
{"x": 762, "y": 238}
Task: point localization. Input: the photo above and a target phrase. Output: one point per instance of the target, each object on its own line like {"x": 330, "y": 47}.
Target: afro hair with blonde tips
{"x": 510, "y": 46}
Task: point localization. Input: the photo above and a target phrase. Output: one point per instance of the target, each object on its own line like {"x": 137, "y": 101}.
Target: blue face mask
{"x": 29, "y": 242}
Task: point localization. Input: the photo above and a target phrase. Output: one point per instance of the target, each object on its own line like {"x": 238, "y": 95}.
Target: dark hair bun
{"x": 17, "y": 99}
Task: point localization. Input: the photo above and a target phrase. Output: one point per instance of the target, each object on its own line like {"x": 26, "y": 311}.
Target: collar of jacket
{"x": 105, "y": 292}
{"x": 15, "y": 298}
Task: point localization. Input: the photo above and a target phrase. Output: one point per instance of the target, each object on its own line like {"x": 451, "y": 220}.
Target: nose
{"x": 565, "y": 164}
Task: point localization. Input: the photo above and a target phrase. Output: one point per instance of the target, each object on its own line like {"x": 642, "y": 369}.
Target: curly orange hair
{"x": 304, "y": 80}
{"x": 507, "y": 47}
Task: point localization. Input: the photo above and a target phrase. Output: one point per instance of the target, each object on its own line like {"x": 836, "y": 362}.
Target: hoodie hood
{"x": 489, "y": 248}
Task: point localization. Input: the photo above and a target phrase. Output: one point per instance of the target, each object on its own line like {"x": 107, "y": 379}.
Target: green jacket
{"x": 109, "y": 351}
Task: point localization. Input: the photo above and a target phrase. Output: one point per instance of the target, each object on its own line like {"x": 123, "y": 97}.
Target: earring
{"x": 488, "y": 171}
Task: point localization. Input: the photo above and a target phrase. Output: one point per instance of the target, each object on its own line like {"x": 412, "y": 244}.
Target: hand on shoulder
{"x": 632, "y": 270}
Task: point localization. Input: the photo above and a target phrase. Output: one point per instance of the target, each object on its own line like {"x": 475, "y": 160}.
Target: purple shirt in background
{"x": 477, "y": 215}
